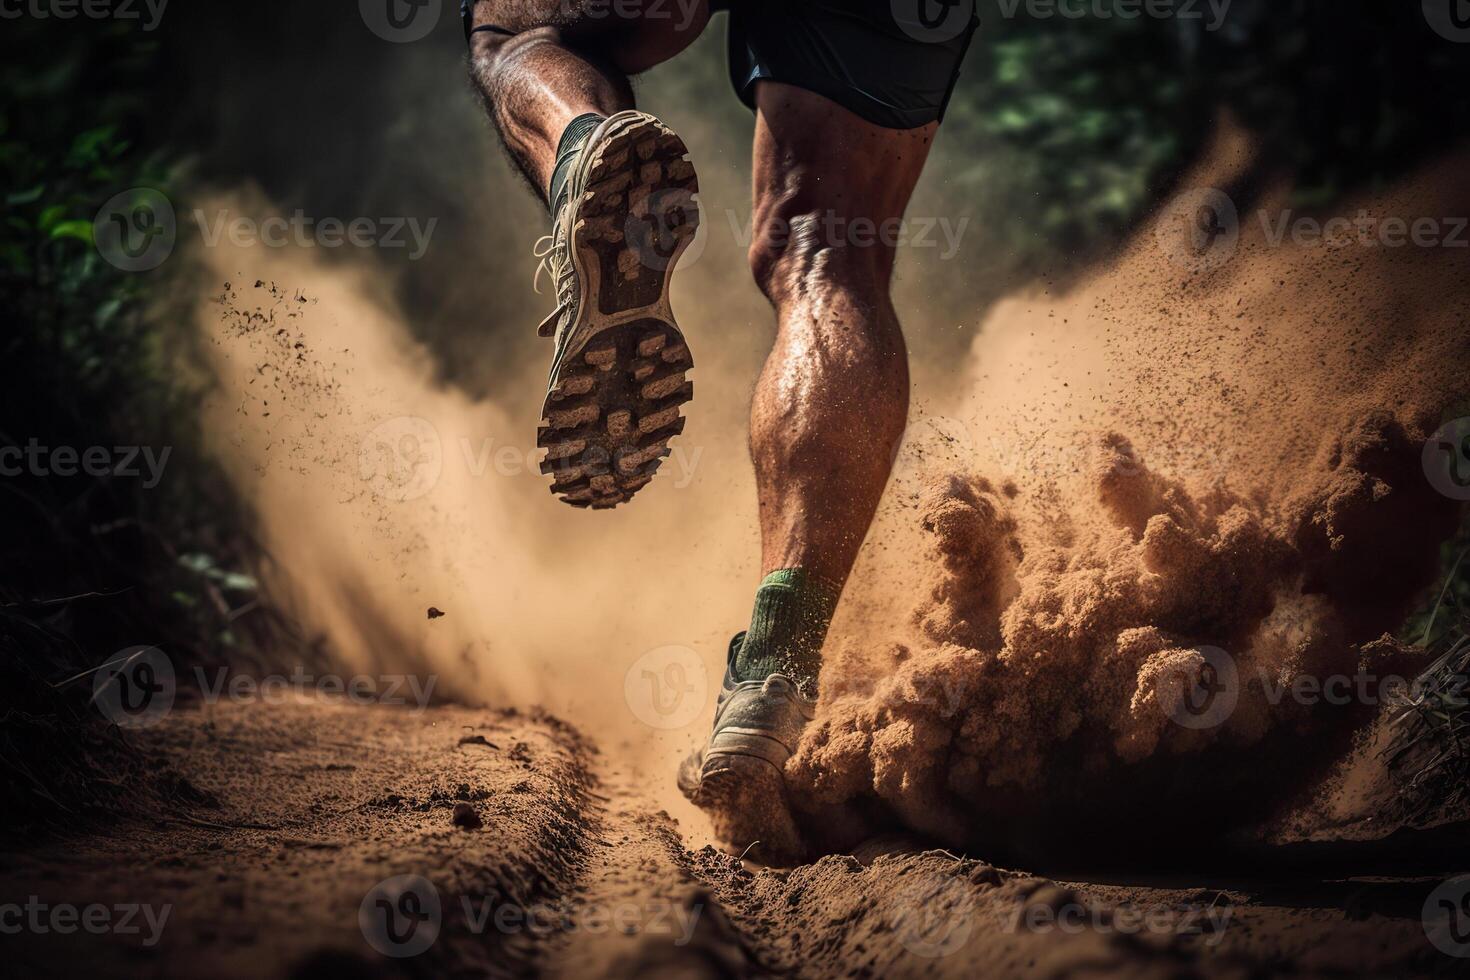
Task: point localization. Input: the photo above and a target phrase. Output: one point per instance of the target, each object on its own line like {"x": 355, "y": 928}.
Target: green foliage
{"x": 1428, "y": 750}
{"x": 1449, "y": 601}
{"x": 82, "y": 325}
{"x": 1069, "y": 128}
{"x": 85, "y": 363}
{"x": 1069, "y": 131}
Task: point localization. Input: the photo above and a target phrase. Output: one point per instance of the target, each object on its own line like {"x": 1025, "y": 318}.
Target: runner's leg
{"x": 540, "y": 64}
{"x": 832, "y": 400}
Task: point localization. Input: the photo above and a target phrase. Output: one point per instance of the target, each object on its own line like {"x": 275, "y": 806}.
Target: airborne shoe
{"x": 618, "y": 377}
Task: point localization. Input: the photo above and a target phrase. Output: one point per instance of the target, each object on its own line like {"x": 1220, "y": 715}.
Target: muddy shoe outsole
{"x": 620, "y": 379}
{"x": 745, "y": 798}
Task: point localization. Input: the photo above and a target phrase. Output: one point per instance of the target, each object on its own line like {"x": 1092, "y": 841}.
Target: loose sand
{"x": 317, "y": 808}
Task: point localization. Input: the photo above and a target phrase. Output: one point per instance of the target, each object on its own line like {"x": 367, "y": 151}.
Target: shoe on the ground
{"x": 618, "y": 374}
{"x": 737, "y": 777}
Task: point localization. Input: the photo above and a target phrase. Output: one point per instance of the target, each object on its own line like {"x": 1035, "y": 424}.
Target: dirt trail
{"x": 575, "y": 872}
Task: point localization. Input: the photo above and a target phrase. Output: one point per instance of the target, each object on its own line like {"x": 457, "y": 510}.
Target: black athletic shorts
{"x": 892, "y": 62}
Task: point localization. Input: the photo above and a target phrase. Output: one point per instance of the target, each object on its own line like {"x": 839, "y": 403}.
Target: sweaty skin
{"x": 566, "y": 58}
{"x": 831, "y": 403}
{"x": 832, "y": 399}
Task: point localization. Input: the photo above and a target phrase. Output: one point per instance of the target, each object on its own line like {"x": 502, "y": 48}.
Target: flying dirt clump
{"x": 1036, "y": 645}
{"x": 1080, "y": 653}
{"x": 974, "y": 537}
{"x": 1193, "y": 488}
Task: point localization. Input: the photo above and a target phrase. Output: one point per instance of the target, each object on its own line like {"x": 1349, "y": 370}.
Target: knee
{"x": 600, "y": 34}
{"x": 798, "y": 246}
{"x": 489, "y": 49}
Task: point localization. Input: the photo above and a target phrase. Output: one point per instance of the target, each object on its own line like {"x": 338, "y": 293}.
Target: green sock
{"x": 573, "y": 138}
{"x": 792, "y": 611}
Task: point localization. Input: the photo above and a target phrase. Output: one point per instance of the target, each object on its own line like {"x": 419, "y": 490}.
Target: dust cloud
{"x": 381, "y": 492}
{"x": 1169, "y": 495}
{"x": 1187, "y": 457}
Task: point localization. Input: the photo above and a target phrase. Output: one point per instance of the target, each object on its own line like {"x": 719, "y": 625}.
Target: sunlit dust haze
{"x": 1197, "y": 460}
{"x": 382, "y": 494}
{"x": 1182, "y": 451}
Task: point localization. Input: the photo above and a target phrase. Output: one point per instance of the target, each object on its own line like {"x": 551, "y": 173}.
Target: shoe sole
{"x": 745, "y": 798}
{"x": 616, "y": 389}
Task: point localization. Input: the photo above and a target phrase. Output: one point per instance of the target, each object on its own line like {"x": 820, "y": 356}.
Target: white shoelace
{"x": 542, "y": 250}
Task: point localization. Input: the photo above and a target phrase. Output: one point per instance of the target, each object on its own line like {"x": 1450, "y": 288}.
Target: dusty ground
{"x": 575, "y": 872}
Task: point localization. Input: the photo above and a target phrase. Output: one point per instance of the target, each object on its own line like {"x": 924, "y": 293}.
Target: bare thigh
{"x": 820, "y": 170}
